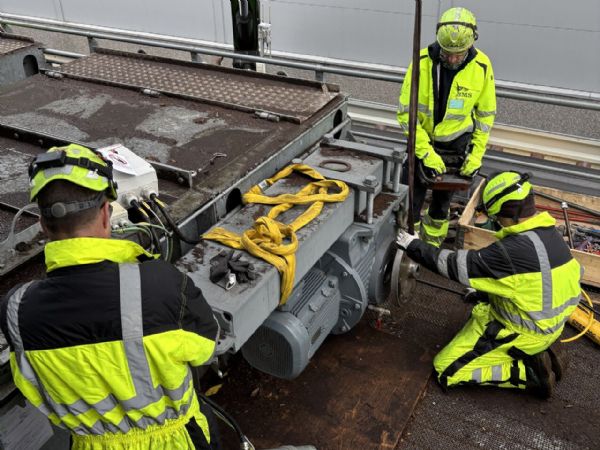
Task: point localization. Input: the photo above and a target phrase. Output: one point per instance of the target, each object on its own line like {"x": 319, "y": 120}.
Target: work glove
{"x": 473, "y": 296}
{"x": 404, "y": 239}
{"x": 471, "y": 166}
{"x": 243, "y": 270}
{"x": 220, "y": 274}
{"x": 433, "y": 161}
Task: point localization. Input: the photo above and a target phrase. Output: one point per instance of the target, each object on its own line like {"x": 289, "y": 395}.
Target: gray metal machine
{"x": 343, "y": 262}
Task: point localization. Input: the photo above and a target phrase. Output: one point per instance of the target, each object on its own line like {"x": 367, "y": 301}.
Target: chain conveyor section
{"x": 295, "y": 102}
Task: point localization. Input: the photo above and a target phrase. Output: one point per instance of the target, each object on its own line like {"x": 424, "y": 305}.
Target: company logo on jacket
{"x": 463, "y": 91}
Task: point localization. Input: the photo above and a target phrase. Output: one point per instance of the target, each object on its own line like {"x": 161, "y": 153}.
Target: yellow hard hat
{"x": 73, "y": 163}
{"x": 457, "y": 30}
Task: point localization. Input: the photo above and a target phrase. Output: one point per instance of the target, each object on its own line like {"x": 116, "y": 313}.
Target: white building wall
{"x": 544, "y": 42}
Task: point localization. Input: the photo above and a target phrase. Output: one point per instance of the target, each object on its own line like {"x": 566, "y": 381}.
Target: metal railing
{"x": 319, "y": 66}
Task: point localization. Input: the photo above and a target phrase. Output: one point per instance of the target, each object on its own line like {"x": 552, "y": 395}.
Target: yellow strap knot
{"x": 266, "y": 239}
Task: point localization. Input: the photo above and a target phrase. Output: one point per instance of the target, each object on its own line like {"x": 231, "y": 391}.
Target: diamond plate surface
{"x": 294, "y": 102}
{"x": 10, "y": 45}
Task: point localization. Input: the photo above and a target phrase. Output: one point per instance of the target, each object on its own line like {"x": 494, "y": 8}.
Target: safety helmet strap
{"x": 60, "y": 159}
{"x": 60, "y": 209}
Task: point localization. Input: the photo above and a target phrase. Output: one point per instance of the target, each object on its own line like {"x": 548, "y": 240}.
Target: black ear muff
{"x": 58, "y": 210}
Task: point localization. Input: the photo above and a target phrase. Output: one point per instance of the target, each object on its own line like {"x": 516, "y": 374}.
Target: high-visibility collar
{"x": 542, "y": 220}
{"x": 86, "y": 250}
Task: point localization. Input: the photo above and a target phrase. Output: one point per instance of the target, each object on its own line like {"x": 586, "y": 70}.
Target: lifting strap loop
{"x": 267, "y": 238}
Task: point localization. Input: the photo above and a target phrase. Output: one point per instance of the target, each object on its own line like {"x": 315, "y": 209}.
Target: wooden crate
{"x": 474, "y": 237}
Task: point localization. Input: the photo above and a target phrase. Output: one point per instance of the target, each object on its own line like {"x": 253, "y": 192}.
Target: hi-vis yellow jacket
{"x": 471, "y": 106}
{"x": 529, "y": 274}
{"x": 104, "y": 346}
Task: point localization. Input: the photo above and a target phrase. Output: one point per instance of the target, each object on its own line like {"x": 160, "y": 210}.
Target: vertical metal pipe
{"x": 412, "y": 114}
{"x": 565, "y": 207}
{"x": 396, "y": 177}
{"x": 397, "y": 172}
{"x": 370, "y": 206}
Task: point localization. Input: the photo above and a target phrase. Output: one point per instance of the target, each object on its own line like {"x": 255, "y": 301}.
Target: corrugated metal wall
{"x": 545, "y": 42}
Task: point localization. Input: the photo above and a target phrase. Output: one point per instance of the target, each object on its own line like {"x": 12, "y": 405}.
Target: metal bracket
{"x": 181, "y": 176}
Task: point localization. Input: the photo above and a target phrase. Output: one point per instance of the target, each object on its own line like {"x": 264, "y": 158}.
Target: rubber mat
{"x": 358, "y": 391}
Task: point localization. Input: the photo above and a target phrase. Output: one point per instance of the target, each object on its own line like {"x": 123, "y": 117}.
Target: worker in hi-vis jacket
{"x": 104, "y": 345}
{"x": 526, "y": 286}
{"x": 456, "y": 110}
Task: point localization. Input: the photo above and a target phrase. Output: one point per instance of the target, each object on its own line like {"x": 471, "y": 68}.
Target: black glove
{"x": 218, "y": 266}
{"x": 472, "y": 296}
{"x": 243, "y": 270}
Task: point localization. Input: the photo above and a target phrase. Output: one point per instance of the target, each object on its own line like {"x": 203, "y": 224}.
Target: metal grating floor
{"x": 295, "y": 102}
{"x": 8, "y": 45}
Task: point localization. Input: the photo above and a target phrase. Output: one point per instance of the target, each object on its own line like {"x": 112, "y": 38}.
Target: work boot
{"x": 540, "y": 377}
{"x": 560, "y": 359}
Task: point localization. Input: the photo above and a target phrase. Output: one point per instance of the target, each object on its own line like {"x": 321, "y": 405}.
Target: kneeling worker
{"x": 532, "y": 286}
{"x": 105, "y": 344}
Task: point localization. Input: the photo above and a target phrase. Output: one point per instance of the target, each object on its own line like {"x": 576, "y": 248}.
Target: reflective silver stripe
{"x": 455, "y": 117}
{"x": 546, "y": 272}
{"x": 461, "y": 263}
{"x": 554, "y": 312}
{"x": 402, "y": 108}
{"x": 528, "y": 324}
{"x": 482, "y": 126}
{"x": 133, "y": 333}
{"x": 12, "y": 321}
{"x": 477, "y": 377}
{"x": 497, "y": 373}
{"x": 496, "y": 188}
{"x": 442, "y": 262}
{"x": 146, "y": 394}
{"x": 454, "y": 135}
{"x": 424, "y": 109}
{"x": 480, "y": 113}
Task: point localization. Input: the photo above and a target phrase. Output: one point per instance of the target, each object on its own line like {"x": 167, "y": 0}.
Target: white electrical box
{"x": 135, "y": 177}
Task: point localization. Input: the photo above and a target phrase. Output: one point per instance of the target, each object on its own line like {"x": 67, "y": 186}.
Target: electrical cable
{"x": 227, "y": 418}
{"x": 163, "y": 209}
{"x": 167, "y": 233}
{"x": 155, "y": 241}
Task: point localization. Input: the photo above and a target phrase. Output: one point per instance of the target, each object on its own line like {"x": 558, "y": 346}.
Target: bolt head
{"x": 370, "y": 180}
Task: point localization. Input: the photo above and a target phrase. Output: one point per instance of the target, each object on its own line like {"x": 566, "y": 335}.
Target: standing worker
{"x": 105, "y": 344}
{"x": 527, "y": 284}
{"x": 456, "y": 110}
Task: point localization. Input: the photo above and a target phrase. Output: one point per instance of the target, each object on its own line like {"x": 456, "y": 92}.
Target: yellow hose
{"x": 576, "y": 321}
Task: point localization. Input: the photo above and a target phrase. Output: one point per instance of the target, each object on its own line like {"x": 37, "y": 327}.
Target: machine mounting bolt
{"x": 370, "y": 180}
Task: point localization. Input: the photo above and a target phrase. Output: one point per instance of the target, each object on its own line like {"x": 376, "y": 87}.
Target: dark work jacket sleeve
{"x": 197, "y": 315}
{"x": 492, "y": 261}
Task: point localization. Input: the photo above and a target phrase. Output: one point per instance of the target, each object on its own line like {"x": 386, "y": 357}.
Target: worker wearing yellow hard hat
{"x": 456, "y": 110}
{"x": 105, "y": 345}
{"x": 526, "y": 285}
